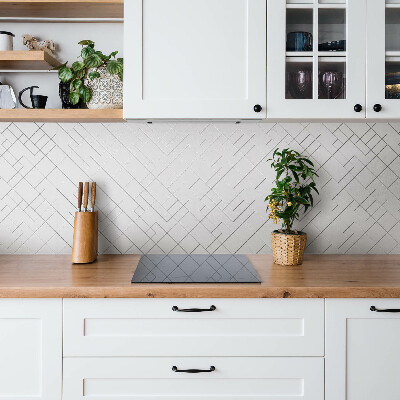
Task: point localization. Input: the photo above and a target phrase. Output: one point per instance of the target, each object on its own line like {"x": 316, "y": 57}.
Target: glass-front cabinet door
{"x": 316, "y": 58}
{"x": 383, "y": 58}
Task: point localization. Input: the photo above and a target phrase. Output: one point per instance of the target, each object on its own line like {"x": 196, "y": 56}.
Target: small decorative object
{"x": 7, "y": 97}
{"x": 331, "y": 85}
{"x": 299, "y": 41}
{"x": 294, "y": 183}
{"x": 85, "y": 241}
{"x": 37, "y": 100}
{"x": 64, "y": 90}
{"x": 34, "y": 44}
{"x": 299, "y": 84}
{"x": 96, "y": 80}
{"x": 6, "y": 41}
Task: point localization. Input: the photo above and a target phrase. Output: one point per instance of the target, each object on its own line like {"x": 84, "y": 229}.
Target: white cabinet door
{"x": 305, "y": 78}
{"x": 194, "y": 59}
{"x": 30, "y": 349}
{"x": 383, "y": 59}
{"x": 362, "y": 349}
{"x": 236, "y": 327}
{"x": 153, "y": 378}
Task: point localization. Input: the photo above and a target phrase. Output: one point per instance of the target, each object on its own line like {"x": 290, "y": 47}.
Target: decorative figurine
{"x": 34, "y": 44}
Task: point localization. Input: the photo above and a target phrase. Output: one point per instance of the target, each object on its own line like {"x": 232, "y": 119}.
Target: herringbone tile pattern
{"x": 195, "y": 187}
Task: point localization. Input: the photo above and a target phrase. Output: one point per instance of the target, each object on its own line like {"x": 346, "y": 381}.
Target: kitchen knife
{"x": 80, "y": 190}
{"x": 86, "y": 196}
{"x": 93, "y": 196}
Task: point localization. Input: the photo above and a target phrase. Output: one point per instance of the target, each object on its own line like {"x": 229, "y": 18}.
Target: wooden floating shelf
{"x": 60, "y": 115}
{"x": 62, "y": 9}
{"x": 27, "y": 60}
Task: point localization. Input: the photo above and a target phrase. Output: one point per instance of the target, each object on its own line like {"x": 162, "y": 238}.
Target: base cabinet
{"x": 362, "y": 349}
{"x": 30, "y": 349}
{"x": 234, "y": 378}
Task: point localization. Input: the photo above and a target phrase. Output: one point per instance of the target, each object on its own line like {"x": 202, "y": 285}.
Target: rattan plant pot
{"x": 288, "y": 249}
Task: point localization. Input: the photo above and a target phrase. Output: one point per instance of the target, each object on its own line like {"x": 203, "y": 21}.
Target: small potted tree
{"x": 294, "y": 184}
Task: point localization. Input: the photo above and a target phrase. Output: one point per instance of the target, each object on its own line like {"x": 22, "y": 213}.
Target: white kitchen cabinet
{"x": 304, "y": 79}
{"x": 383, "y": 59}
{"x": 362, "y": 349}
{"x": 30, "y": 349}
{"x": 153, "y": 378}
{"x": 195, "y": 59}
{"x": 236, "y": 327}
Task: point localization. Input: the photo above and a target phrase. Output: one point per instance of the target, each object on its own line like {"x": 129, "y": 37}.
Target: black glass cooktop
{"x": 195, "y": 268}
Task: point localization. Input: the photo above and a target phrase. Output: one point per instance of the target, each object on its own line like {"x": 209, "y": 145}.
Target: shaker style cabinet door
{"x": 30, "y": 349}
{"x": 316, "y": 58}
{"x": 195, "y": 59}
{"x": 362, "y": 349}
{"x": 383, "y": 59}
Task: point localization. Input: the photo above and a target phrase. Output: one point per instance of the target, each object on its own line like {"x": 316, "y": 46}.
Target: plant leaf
{"x": 65, "y": 74}
{"x": 84, "y": 93}
{"x": 76, "y": 84}
{"x": 93, "y": 61}
{"x": 86, "y": 43}
{"x": 73, "y": 98}
{"x": 113, "y": 54}
{"x": 114, "y": 67}
{"x": 93, "y": 75}
{"x": 77, "y": 66}
{"x": 86, "y": 52}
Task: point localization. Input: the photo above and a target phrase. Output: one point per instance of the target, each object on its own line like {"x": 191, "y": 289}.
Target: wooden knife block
{"x": 84, "y": 248}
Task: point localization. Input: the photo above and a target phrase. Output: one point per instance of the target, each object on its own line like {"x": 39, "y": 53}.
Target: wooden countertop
{"x": 323, "y": 276}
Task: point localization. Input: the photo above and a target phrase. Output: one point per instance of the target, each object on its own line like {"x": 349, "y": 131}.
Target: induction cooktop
{"x": 195, "y": 268}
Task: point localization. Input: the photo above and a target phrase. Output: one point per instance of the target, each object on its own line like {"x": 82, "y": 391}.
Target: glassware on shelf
{"x": 331, "y": 85}
{"x": 336, "y": 45}
{"x": 299, "y": 84}
{"x": 299, "y": 41}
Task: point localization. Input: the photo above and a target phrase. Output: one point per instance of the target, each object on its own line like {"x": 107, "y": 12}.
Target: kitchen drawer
{"x": 233, "y": 379}
{"x": 150, "y": 327}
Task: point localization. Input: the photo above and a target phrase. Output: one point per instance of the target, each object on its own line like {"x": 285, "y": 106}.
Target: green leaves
{"x": 86, "y": 52}
{"x": 84, "y": 93}
{"x": 93, "y": 75}
{"x": 294, "y": 181}
{"x": 86, "y": 43}
{"x": 65, "y": 74}
{"x": 73, "y": 98}
{"x": 114, "y": 67}
{"x": 78, "y": 65}
{"x": 93, "y": 61}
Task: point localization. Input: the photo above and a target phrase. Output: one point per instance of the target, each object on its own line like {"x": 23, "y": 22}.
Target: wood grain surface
{"x": 323, "y": 276}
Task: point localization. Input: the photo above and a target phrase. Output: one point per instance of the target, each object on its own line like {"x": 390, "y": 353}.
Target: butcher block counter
{"x": 320, "y": 276}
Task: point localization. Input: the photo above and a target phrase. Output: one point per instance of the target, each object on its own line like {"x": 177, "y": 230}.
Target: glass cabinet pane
{"x": 331, "y": 29}
{"x": 331, "y": 78}
{"x": 392, "y": 47}
{"x": 299, "y": 79}
{"x": 299, "y": 29}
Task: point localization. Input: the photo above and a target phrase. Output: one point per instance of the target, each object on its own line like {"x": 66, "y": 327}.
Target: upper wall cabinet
{"x": 383, "y": 59}
{"x": 316, "y": 58}
{"x": 195, "y": 59}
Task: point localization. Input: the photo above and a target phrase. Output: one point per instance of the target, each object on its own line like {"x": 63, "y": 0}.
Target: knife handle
{"x": 93, "y": 195}
{"x": 80, "y": 192}
{"x": 86, "y": 195}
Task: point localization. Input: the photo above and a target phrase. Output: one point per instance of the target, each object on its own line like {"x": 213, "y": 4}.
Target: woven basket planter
{"x": 288, "y": 249}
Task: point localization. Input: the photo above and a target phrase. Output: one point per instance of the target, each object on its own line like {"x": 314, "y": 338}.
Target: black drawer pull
{"x": 175, "y": 308}
{"x": 193, "y": 371}
{"x": 394, "y": 310}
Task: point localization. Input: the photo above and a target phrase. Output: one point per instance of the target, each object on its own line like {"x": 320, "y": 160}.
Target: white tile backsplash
{"x": 195, "y": 187}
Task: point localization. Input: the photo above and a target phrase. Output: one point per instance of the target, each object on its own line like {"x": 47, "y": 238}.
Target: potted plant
{"x": 95, "y": 80}
{"x": 294, "y": 184}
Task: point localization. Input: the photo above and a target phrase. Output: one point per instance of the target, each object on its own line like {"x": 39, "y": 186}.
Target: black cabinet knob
{"x": 257, "y": 108}
{"x": 377, "y": 107}
{"x": 358, "y": 108}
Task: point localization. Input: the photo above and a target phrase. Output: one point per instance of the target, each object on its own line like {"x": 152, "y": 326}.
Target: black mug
{"x": 299, "y": 41}
{"x": 37, "y": 100}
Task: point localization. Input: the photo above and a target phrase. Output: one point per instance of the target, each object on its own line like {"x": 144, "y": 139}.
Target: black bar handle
{"x": 176, "y": 308}
{"x": 193, "y": 371}
{"x": 393, "y": 310}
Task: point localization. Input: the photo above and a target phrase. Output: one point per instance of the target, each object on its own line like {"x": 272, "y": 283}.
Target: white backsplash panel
{"x": 195, "y": 187}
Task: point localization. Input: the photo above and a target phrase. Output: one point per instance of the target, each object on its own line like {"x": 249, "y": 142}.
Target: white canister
{"x": 6, "y": 41}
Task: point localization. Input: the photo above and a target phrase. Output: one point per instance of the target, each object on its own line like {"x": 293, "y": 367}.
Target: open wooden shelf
{"x": 27, "y": 60}
{"x": 62, "y": 9}
{"x": 60, "y": 115}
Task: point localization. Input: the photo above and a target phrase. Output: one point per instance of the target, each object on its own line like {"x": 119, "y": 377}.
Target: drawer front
{"x": 150, "y": 327}
{"x": 233, "y": 378}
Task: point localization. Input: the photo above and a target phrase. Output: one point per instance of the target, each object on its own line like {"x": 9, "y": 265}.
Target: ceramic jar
{"x": 6, "y": 41}
{"x": 106, "y": 90}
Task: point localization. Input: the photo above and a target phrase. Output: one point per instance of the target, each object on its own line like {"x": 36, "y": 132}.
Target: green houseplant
{"x": 294, "y": 184}
{"x": 84, "y": 76}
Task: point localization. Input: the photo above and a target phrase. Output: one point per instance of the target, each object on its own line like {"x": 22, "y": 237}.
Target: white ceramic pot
{"x": 6, "y": 41}
{"x": 106, "y": 90}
